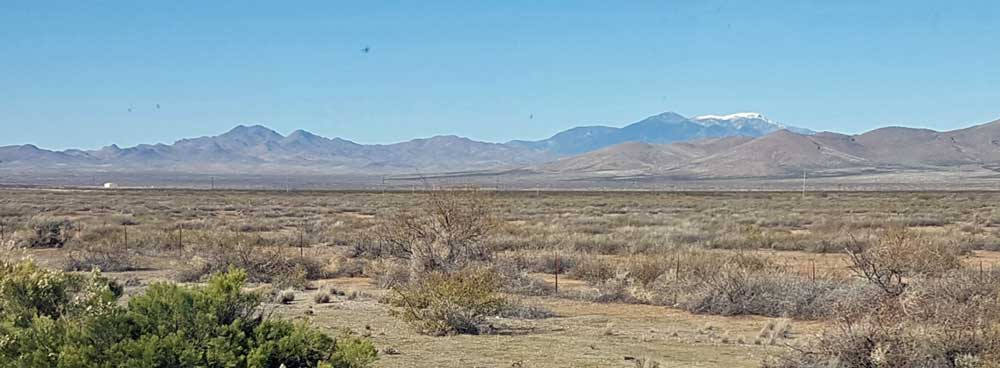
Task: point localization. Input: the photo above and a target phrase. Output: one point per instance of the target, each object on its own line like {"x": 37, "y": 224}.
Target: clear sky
{"x": 70, "y": 70}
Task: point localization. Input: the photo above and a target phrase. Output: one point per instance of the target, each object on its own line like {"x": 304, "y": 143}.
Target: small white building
{"x": 110, "y": 186}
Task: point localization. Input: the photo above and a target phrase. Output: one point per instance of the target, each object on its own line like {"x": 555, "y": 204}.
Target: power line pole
{"x": 213, "y": 183}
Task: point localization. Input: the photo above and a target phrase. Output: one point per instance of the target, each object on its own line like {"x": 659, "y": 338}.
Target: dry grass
{"x": 656, "y": 249}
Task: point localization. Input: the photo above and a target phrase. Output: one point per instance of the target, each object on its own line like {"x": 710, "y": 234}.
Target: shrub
{"x": 387, "y": 274}
{"x": 321, "y": 298}
{"x": 446, "y": 304}
{"x": 446, "y": 232}
{"x": 261, "y": 263}
{"x": 920, "y": 316}
{"x": 285, "y": 297}
{"x": 340, "y": 266}
{"x": 594, "y": 269}
{"x": 774, "y": 294}
{"x": 105, "y": 257}
{"x": 47, "y": 233}
{"x": 28, "y": 292}
{"x": 353, "y": 352}
{"x": 516, "y": 280}
{"x": 897, "y": 254}
{"x": 50, "y": 318}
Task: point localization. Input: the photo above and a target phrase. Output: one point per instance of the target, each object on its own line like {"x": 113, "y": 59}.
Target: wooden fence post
{"x": 557, "y": 269}
{"x": 180, "y": 241}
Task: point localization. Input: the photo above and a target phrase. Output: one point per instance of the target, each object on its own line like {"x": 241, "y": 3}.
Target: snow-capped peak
{"x": 739, "y": 115}
{"x": 747, "y": 121}
{"x": 739, "y": 120}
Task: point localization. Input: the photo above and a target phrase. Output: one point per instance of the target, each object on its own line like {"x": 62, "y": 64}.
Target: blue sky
{"x": 70, "y": 70}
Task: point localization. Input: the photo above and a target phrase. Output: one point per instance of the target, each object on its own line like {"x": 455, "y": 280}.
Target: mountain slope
{"x": 638, "y": 156}
{"x": 781, "y": 153}
{"x": 788, "y": 154}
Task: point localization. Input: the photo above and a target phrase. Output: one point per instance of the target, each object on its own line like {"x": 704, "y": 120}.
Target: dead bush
{"x": 47, "y": 233}
{"x": 926, "y": 313}
{"x": 594, "y": 269}
{"x": 897, "y": 254}
{"x": 261, "y": 263}
{"x": 446, "y": 232}
{"x": 105, "y": 257}
{"x": 737, "y": 291}
{"x": 516, "y": 280}
{"x": 386, "y": 273}
{"x": 341, "y": 266}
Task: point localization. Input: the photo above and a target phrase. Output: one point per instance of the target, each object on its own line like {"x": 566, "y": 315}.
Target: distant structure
{"x": 110, "y": 186}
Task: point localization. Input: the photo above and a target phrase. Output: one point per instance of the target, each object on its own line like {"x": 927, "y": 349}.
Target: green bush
{"x": 446, "y": 304}
{"x": 55, "y": 319}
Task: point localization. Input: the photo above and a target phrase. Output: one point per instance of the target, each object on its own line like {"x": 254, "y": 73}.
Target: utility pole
{"x": 383, "y": 184}
{"x": 213, "y": 183}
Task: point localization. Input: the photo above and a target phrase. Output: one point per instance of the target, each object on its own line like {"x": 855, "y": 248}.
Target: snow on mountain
{"x": 747, "y": 121}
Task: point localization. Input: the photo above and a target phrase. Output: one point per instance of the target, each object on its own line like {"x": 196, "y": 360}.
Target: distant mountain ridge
{"x": 257, "y": 148}
{"x": 662, "y": 128}
{"x": 252, "y": 148}
{"x": 668, "y": 145}
{"x": 784, "y": 153}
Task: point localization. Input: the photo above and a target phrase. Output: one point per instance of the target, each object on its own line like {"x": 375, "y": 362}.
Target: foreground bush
{"x": 447, "y": 304}
{"x": 926, "y": 313}
{"x": 55, "y": 319}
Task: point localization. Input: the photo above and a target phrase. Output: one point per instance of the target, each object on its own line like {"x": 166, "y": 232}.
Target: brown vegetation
{"x": 904, "y": 278}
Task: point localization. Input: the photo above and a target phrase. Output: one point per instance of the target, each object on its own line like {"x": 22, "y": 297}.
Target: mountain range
{"x": 663, "y": 128}
{"x": 744, "y": 145}
{"x": 784, "y": 153}
{"x": 259, "y": 149}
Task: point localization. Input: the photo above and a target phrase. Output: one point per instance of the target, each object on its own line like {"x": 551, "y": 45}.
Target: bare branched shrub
{"x": 387, "y": 274}
{"x": 446, "y": 232}
{"x": 892, "y": 256}
{"x": 102, "y": 256}
{"x": 927, "y": 313}
{"x": 261, "y": 263}
{"x": 47, "y": 233}
{"x": 773, "y": 292}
